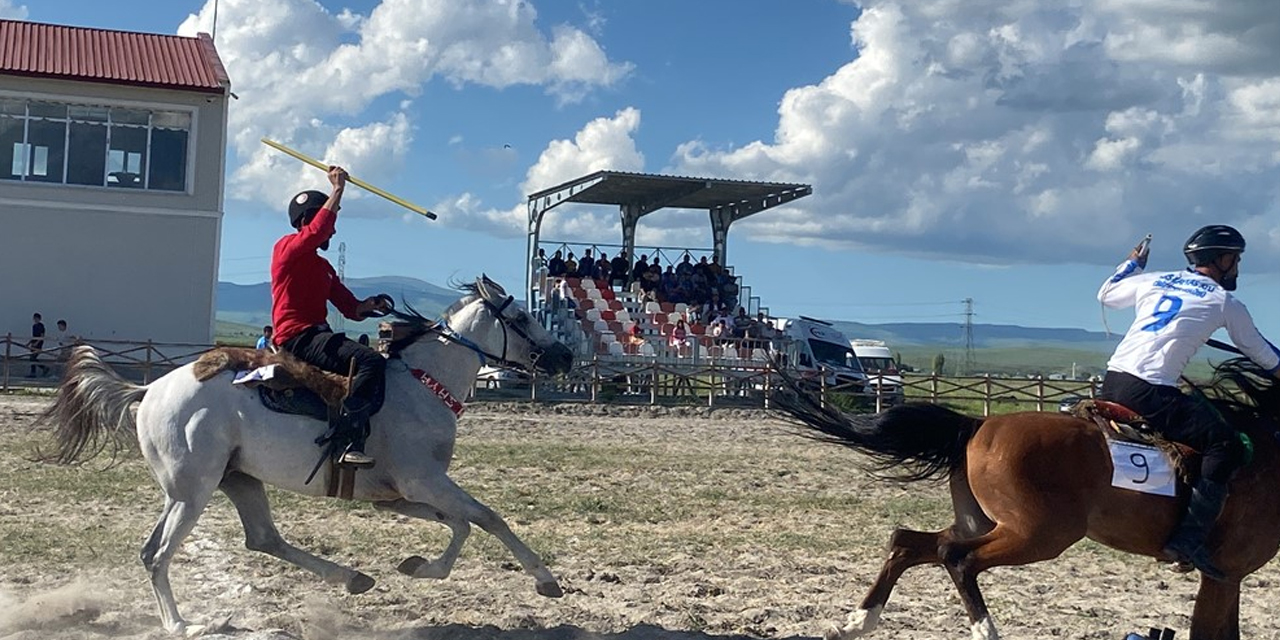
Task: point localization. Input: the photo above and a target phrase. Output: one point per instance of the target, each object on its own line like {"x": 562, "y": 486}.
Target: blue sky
{"x": 1008, "y": 152}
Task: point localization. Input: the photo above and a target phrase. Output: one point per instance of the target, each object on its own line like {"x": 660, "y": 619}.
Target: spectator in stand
{"x": 669, "y": 282}
{"x": 540, "y": 260}
{"x": 555, "y": 266}
{"x": 587, "y": 265}
{"x": 641, "y": 267}
{"x": 703, "y": 268}
{"x": 650, "y": 281}
{"x": 721, "y": 329}
{"x": 36, "y": 345}
{"x": 635, "y": 338}
{"x": 679, "y": 337}
{"x": 741, "y": 323}
{"x": 564, "y": 295}
{"x": 264, "y": 340}
{"x": 685, "y": 267}
{"x": 604, "y": 269}
{"x": 570, "y": 266}
{"x": 620, "y": 268}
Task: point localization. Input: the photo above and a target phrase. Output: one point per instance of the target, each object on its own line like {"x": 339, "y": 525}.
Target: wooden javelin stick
{"x": 352, "y": 179}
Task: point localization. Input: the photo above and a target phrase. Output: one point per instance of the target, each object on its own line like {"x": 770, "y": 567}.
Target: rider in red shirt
{"x": 302, "y": 283}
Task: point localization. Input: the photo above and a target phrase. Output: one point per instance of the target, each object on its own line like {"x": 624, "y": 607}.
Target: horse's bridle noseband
{"x": 535, "y": 353}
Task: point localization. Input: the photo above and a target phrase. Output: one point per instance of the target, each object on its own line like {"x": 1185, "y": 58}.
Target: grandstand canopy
{"x": 639, "y": 194}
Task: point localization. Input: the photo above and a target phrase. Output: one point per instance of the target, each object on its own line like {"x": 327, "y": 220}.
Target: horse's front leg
{"x": 443, "y": 495}
{"x": 441, "y": 567}
{"x": 1217, "y": 612}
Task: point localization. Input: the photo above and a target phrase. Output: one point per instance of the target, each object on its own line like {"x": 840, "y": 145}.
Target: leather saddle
{"x": 1119, "y": 422}
{"x": 294, "y": 386}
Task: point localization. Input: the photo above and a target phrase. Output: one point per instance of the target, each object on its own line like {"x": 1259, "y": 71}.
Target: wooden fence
{"x": 658, "y": 380}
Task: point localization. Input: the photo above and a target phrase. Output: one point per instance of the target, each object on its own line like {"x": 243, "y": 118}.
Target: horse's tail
{"x": 913, "y": 441}
{"x": 92, "y": 409}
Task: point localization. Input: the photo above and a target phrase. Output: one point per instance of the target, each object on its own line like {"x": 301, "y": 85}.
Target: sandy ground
{"x": 791, "y": 537}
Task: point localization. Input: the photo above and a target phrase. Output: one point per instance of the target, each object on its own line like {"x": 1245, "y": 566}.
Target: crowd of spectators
{"x": 709, "y": 291}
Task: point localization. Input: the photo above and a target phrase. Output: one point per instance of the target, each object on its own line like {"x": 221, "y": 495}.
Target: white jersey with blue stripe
{"x": 1177, "y": 312}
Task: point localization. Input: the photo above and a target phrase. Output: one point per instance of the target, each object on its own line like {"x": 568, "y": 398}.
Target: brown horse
{"x": 1026, "y": 486}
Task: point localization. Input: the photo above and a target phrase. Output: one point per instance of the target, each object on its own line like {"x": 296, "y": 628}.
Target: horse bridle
{"x": 448, "y": 333}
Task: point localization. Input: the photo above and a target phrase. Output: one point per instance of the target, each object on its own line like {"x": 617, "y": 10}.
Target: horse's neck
{"x": 453, "y": 365}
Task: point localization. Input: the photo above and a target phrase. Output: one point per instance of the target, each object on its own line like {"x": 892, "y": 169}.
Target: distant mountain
{"x": 251, "y": 305}
{"x": 985, "y": 336}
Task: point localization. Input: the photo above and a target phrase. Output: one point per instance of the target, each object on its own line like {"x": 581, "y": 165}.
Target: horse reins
{"x": 448, "y": 333}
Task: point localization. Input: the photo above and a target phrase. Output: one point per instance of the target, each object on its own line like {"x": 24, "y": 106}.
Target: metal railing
{"x": 666, "y": 378}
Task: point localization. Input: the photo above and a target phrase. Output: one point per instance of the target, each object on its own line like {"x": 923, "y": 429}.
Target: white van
{"x": 877, "y": 363}
{"x": 815, "y": 344}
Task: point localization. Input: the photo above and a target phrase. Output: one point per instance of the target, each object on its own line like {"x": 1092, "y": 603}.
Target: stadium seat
{"x": 652, "y": 307}
{"x": 759, "y": 355}
{"x": 674, "y": 317}
{"x": 647, "y": 350}
{"x": 615, "y": 348}
{"x": 681, "y": 307}
{"x": 593, "y": 314}
{"x": 608, "y": 315}
{"x": 599, "y": 326}
{"x": 622, "y": 316}
{"x": 667, "y": 307}
{"x": 588, "y": 284}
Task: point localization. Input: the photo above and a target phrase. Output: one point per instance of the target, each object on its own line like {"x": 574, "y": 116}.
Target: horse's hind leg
{"x": 417, "y": 566}
{"x": 260, "y": 534}
{"x": 176, "y": 522}
{"x": 906, "y": 549}
{"x": 440, "y": 492}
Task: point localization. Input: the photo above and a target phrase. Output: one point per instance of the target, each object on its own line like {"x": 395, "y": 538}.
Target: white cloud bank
{"x": 1000, "y": 131}
{"x": 305, "y": 76}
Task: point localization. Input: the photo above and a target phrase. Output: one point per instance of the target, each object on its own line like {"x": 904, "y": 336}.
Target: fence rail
{"x": 655, "y": 380}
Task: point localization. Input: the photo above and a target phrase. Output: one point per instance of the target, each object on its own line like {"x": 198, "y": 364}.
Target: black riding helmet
{"x": 304, "y": 206}
{"x": 1208, "y": 243}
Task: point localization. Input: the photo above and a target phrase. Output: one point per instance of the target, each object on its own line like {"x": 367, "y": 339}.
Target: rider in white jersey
{"x": 1177, "y": 312}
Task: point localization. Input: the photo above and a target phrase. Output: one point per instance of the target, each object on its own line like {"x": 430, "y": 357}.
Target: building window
{"x": 93, "y": 145}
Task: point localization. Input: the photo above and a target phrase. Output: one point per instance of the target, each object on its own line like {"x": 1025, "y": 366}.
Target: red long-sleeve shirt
{"x": 302, "y": 281}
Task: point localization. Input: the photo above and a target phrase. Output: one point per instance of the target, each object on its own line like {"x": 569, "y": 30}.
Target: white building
{"x": 112, "y": 160}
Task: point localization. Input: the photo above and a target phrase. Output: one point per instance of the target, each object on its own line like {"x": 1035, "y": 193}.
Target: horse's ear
{"x": 489, "y": 289}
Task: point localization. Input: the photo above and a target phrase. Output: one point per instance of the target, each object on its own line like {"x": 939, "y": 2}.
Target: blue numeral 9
{"x": 1165, "y": 310}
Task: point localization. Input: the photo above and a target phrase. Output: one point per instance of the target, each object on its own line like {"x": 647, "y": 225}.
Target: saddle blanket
{"x": 1142, "y": 468}
{"x": 261, "y": 374}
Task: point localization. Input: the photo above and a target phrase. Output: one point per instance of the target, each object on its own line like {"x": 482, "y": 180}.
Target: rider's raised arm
{"x": 1121, "y": 290}
{"x": 1248, "y": 339}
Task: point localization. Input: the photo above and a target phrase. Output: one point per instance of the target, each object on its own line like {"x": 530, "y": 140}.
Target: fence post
{"x": 1039, "y": 392}
{"x": 880, "y": 393}
{"x": 933, "y": 388}
{"x": 653, "y": 383}
{"x": 711, "y": 384}
{"x": 533, "y": 386}
{"x": 822, "y": 386}
{"x": 768, "y": 385}
{"x": 8, "y": 357}
{"x": 595, "y": 377}
{"x": 986, "y": 394}
{"x": 146, "y": 369}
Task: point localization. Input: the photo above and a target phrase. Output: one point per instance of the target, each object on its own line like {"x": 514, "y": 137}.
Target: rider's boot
{"x": 1187, "y": 543}
{"x": 355, "y": 412}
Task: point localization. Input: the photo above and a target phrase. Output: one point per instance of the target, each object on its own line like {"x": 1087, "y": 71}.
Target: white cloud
{"x": 998, "y": 131}
{"x": 306, "y": 76}
{"x": 12, "y": 11}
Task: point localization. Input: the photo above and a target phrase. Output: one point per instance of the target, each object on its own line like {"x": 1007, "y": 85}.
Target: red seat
{"x": 586, "y": 303}
{"x": 616, "y": 305}
{"x": 606, "y": 293}
{"x": 668, "y": 307}
{"x": 698, "y": 329}
{"x": 608, "y": 315}
{"x": 574, "y": 283}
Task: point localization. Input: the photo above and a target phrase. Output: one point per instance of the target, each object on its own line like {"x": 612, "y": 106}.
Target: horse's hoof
{"x": 411, "y": 565}
{"x": 359, "y": 583}
{"x": 550, "y": 589}
{"x": 833, "y": 632}
{"x": 194, "y": 630}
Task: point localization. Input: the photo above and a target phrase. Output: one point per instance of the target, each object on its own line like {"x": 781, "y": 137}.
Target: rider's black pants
{"x": 334, "y": 351}
{"x": 1181, "y": 418}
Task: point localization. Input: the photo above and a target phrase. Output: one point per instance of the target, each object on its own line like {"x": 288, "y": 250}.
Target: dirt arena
{"x": 673, "y": 523}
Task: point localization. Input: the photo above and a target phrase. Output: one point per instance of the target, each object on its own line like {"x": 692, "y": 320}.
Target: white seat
{"x": 759, "y": 355}
{"x": 615, "y": 349}
{"x": 594, "y": 294}
{"x": 622, "y": 316}
{"x": 703, "y": 351}
{"x": 652, "y": 307}
{"x": 682, "y": 307}
{"x": 674, "y": 317}
{"x": 593, "y": 315}
{"x": 646, "y": 349}
{"x": 588, "y": 284}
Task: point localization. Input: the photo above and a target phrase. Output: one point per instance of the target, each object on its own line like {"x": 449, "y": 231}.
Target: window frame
{"x": 151, "y": 107}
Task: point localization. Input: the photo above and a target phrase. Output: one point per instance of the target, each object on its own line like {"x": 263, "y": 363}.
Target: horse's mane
{"x": 1245, "y": 394}
{"x": 420, "y": 325}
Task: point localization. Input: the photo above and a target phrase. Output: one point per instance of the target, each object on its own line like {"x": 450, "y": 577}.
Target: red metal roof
{"x": 115, "y": 57}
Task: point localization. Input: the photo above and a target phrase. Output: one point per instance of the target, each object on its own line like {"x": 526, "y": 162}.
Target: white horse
{"x": 199, "y": 437}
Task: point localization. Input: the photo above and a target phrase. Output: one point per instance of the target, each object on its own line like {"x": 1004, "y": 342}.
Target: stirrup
{"x": 358, "y": 459}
